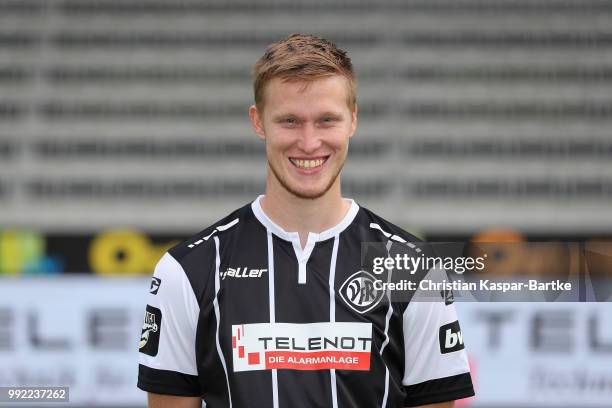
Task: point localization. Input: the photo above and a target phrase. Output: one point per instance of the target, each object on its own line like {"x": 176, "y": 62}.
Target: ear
{"x": 256, "y": 122}
{"x": 353, "y": 121}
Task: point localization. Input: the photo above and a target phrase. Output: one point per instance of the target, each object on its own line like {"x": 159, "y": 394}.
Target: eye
{"x": 288, "y": 121}
{"x": 328, "y": 120}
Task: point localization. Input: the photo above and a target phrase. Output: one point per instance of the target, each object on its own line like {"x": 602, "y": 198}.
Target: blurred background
{"x": 124, "y": 129}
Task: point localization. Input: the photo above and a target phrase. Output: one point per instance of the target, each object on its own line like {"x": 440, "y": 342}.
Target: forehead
{"x": 327, "y": 93}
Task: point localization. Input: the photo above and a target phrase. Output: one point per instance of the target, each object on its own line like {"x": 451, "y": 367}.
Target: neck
{"x": 292, "y": 213}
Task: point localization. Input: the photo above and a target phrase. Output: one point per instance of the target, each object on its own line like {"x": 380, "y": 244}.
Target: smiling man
{"x": 271, "y": 306}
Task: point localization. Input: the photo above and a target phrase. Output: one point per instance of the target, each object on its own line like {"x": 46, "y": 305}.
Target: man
{"x": 270, "y": 307}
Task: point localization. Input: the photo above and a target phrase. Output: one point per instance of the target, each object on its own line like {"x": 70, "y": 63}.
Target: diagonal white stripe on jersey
{"x": 228, "y": 225}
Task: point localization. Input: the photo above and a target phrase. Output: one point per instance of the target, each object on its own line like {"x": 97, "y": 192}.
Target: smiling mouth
{"x": 308, "y": 163}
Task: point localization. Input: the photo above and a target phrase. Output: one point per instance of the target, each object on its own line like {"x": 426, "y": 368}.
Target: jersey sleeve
{"x": 167, "y": 362}
{"x": 436, "y": 364}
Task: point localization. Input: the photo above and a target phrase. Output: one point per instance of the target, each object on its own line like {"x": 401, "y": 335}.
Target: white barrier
{"x": 540, "y": 354}
{"x": 81, "y": 332}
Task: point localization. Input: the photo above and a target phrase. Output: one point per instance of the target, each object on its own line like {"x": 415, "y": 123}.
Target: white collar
{"x": 303, "y": 254}
{"x": 290, "y": 236}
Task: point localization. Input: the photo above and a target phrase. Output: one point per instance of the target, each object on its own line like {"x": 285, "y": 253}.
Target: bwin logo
{"x": 359, "y": 293}
{"x": 451, "y": 338}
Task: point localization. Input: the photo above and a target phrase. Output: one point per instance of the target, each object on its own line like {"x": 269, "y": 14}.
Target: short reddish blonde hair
{"x": 302, "y": 57}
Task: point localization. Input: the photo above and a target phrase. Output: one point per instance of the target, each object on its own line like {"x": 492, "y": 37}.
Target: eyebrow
{"x": 281, "y": 116}
{"x": 332, "y": 114}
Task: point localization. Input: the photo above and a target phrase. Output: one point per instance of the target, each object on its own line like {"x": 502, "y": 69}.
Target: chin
{"x": 309, "y": 193}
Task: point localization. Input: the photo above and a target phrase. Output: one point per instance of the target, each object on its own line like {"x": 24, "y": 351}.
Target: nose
{"x": 309, "y": 141}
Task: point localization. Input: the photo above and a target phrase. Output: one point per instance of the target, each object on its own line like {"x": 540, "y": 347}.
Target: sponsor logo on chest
{"x": 242, "y": 272}
{"x": 305, "y": 346}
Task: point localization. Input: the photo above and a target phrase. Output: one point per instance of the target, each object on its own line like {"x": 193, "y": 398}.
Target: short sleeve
{"x": 436, "y": 364}
{"x": 167, "y": 343}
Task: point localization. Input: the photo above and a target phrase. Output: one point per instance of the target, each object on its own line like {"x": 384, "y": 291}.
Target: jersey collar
{"x": 312, "y": 236}
{"x": 303, "y": 254}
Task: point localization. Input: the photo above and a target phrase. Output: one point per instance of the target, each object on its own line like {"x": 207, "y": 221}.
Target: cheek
{"x": 276, "y": 144}
{"x": 340, "y": 140}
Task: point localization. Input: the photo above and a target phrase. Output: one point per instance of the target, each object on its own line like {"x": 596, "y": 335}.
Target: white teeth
{"x": 307, "y": 164}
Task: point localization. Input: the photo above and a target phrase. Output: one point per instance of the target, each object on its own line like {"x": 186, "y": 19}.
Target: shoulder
{"x": 376, "y": 228}
{"x": 195, "y": 258}
{"x": 397, "y": 242}
{"x": 203, "y": 242}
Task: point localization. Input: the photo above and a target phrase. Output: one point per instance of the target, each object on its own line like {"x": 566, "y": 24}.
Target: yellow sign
{"x": 125, "y": 252}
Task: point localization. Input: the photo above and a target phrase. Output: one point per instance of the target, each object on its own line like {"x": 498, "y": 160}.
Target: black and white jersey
{"x": 243, "y": 316}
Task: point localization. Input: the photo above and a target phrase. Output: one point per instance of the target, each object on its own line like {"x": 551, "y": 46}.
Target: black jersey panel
{"x": 304, "y": 389}
{"x": 210, "y": 368}
{"x": 302, "y": 303}
{"x": 197, "y": 254}
{"x": 199, "y": 266}
{"x": 351, "y": 307}
{"x": 440, "y": 390}
{"x": 393, "y": 356}
{"x": 168, "y": 382}
{"x": 243, "y": 299}
{"x": 244, "y": 276}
